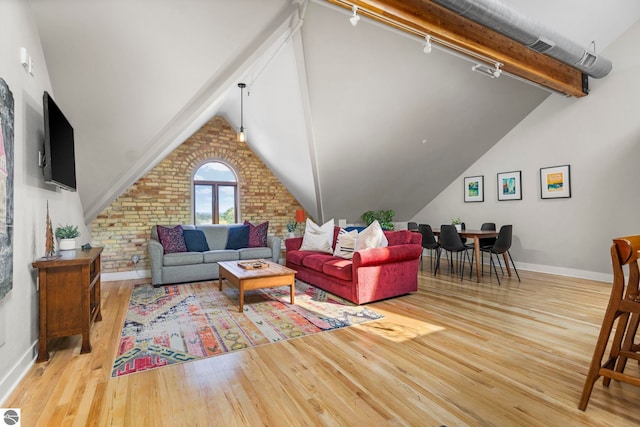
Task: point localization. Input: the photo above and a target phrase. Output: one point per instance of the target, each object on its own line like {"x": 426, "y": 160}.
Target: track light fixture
{"x": 354, "y": 18}
{"x": 487, "y": 70}
{"x": 427, "y": 44}
{"x": 241, "y": 136}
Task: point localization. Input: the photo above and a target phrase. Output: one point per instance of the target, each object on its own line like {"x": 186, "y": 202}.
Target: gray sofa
{"x": 194, "y": 266}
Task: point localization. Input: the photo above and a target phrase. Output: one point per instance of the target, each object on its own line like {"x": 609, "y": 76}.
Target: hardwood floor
{"x": 452, "y": 354}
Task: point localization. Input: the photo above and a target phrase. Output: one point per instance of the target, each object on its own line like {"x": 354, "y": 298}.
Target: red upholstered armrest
{"x": 293, "y": 244}
{"x": 386, "y": 255}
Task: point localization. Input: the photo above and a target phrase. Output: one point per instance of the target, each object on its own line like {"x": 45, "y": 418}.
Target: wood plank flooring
{"x": 454, "y": 353}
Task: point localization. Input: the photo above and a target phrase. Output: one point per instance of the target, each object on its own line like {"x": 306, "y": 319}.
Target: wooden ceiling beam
{"x": 422, "y": 17}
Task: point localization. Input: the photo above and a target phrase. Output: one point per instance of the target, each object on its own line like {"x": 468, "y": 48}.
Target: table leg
{"x": 476, "y": 250}
{"x": 293, "y": 291}
{"x": 219, "y": 280}
{"x": 506, "y": 262}
{"x": 241, "y": 295}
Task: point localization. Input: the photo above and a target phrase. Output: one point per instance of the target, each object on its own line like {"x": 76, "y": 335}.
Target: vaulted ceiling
{"x": 349, "y": 118}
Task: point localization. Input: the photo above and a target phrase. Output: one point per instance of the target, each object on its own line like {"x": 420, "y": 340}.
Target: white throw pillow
{"x": 318, "y": 238}
{"x": 371, "y": 237}
{"x": 346, "y": 244}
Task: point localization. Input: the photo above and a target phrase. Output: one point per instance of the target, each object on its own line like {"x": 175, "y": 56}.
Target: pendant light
{"x": 241, "y": 135}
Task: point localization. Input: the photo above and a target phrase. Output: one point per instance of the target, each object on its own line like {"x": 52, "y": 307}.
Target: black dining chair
{"x": 429, "y": 242}
{"x": 450, "y": 241}
{"x": 501, "y": 246}
{"x": 412, "y": 226}
{"x": 487, "y": 242}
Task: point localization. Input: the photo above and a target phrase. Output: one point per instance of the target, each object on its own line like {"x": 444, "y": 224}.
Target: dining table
{"x": 476, "y": 235}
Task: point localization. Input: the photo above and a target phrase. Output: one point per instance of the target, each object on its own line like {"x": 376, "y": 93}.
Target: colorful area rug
{"x": 181, "y": 323}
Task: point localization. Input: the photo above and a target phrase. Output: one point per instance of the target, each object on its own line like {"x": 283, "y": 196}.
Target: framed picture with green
{"x": 474, "y": 189}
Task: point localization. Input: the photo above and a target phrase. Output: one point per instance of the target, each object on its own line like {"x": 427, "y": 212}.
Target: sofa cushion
{"x": 171, "y": 239}
{"x": 182, "y": 258}
{"x": 318, "y": 238}
{"x": 220, "y": 255}
{"x": 216, "y": 235}
{"x": 400, "y": 237}
{"x": 238, "y": 237}
{"x": 195, "y": 240}
{"x": 371, "y": 237}
{"x": 315, "y": 261}
{"x": 258, "y": 234}
{"x": 346, "y": 244}
{"x": 296, "y": 257}
{"x": 255, "y": 253}
{"x": 340, "y": 268}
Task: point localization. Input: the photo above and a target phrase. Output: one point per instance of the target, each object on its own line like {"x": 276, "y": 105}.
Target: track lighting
{"x": 354, "y": 18}
{"x": 427, "y": 44}
{"x": 241, "y": 136}
{"x": 494, "y": 72}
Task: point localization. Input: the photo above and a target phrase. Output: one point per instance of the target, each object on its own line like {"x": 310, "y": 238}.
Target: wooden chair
{"x": 624, "y": 306}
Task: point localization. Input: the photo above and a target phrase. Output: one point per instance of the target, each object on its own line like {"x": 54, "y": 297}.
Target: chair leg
{"x": 596, "y": 360}
{"x": 514, "y": 265}
{"x": 616, "y": 345}
{"x": 628, "y": 345}
{"x": 493, "y": 264}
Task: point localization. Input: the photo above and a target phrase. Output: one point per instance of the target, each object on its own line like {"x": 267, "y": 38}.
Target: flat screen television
{"x": 59, "y": 166}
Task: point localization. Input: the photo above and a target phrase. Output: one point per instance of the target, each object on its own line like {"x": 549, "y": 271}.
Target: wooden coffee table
{"x": 243, "y": 279}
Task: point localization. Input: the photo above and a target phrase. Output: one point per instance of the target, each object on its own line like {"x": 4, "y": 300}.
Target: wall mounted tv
{"x": 59, "y": 163}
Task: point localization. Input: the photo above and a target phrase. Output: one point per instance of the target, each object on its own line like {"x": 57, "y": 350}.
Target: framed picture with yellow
{"x": 555, "y": 182}
{"x": 474, "y": 189}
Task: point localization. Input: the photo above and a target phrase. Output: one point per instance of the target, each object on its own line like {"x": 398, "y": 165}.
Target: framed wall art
{"x": 555, "y": 182}
{"x": 474, "y": 189}
{"x": 510, "y": 185}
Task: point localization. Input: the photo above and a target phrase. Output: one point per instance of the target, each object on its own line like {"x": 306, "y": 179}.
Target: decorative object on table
{"x": 253, "y": 265}
{"x": 458, "y": 223}
{"x": 510, "y": 185}
{"x": 555, "y": 182}
{"x": 182, "y": 323}
{"x": 384, "y": 217}
{"x": 49, "y": 250}
{"x": 474, "y": 189}
{"x": 66, "y": 236}
{"x": 6, "y": 188}
{"x": 291, "y": 229}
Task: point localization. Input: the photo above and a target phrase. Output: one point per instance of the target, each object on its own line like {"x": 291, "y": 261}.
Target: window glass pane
{"x": 203, "y": 200}
{"x": 226, "y": 204}
{"x": 214, "y": 171}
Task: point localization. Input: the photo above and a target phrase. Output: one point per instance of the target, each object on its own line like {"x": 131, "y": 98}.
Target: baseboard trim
{"x": 17, "y": 373}
{"x": 125, "y": 275}
{"x": 547, "y": 269}
{"x": 560, "y": 271}
{"x": 569, "y": 272}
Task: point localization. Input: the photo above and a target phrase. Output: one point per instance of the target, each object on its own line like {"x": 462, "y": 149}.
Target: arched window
{"x": 215, "y": 194}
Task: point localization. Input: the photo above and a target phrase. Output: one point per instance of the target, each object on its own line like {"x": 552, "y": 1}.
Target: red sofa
{"x": 372, "y": 274}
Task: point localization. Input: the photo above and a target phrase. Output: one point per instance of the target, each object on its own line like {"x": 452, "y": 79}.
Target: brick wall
{"x": 163, "y": 196}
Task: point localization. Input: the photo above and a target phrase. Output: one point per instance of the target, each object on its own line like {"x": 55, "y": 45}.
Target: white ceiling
{"x": 349, "y": 119}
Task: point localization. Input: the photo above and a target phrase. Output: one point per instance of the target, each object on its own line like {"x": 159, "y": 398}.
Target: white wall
{"x": 19, "y": 309}
{"x": 599, "y": 136}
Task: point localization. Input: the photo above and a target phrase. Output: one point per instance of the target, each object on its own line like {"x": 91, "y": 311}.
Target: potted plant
{"x": 66, "y": 236}
{"x": 291, "y": 228}
{"x": 385, "y": 218}
{"x": 458, "y": 223}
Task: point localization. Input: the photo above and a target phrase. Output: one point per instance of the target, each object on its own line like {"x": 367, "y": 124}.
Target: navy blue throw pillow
{"x": 238, "y": 237}
{"x": 195, "y": 240}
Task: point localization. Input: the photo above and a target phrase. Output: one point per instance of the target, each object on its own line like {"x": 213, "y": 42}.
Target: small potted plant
{"x": 66, "y": 236}
{"x": 291, "y": 228}
{"x": 458, "y": 223}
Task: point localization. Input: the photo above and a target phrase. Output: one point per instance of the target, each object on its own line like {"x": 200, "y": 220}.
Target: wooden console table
{"x": 69, "y": 296}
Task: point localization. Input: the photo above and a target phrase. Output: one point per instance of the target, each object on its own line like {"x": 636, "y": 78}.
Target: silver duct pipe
{"x": 504, "y": 20}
